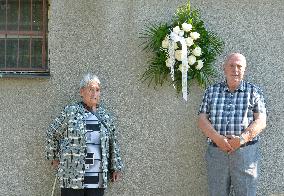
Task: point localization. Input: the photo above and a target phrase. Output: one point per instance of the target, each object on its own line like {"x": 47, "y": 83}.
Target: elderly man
{"x": 232, "y": 115}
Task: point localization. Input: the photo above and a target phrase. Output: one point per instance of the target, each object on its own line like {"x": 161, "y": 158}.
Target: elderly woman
{"x": 82, "y": 144}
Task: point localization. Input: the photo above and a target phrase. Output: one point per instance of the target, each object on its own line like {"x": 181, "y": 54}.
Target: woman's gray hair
{"x": 89, "y": 77}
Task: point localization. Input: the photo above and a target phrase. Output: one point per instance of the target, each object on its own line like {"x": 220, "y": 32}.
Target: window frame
{"x": 31, "y": 36}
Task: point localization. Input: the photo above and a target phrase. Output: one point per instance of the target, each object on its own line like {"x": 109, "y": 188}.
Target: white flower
{"x": 168, "y": 63}
{"x": 181, "y": 33}
{"x": 180, "y": 67}
{"x": 186, "y": 27}
{"x": 194, "y": 35}
{"x": 176, "y": 30}
{"x": 199, "y": 64}
{"x": 178, "y": 55}
{"x": 189, "y": 41}
{"x": 165, "y": 42}
{"x": 175, "y": 46}
{"x": 191, "y": 59}
{"x": 196, "y": 51}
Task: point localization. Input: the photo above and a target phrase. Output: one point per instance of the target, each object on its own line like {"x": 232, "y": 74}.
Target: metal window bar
{"x": 6, "y": 27}
{"x": 43, "y": 33}
{"x": 19, "y": 20}
{"x": 31, "y": 21}
{"x": 32, "y": 35}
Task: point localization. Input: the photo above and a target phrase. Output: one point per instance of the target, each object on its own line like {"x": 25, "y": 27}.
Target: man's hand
{"x": 223, "y": 143}
{"x": 234, "y": 141}
{"x": 116, "y": 176}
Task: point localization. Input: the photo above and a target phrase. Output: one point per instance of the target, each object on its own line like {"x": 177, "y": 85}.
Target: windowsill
{"x": 19, "y": 74}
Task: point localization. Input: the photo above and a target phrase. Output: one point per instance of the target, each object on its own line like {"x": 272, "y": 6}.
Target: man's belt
{"x": 246, "y": 144}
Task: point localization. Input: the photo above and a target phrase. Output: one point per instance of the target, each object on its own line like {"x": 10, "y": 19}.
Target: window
{"x": 23, "y": 37}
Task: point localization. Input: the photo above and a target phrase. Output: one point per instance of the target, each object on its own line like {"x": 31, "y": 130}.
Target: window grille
{"x": 23, "y": 37}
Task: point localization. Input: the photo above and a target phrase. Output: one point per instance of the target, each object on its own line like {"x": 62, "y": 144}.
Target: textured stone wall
{"x": 162, "y": 148}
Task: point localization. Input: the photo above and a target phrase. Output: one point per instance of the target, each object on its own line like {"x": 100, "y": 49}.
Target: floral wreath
{"x": 184, "y": 49}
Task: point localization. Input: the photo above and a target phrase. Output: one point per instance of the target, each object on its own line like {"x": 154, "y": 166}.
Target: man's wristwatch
{"x": 242, "y": 140}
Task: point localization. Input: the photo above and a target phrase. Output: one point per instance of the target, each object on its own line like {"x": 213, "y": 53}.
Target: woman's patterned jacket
{"x": 65, "y": 141}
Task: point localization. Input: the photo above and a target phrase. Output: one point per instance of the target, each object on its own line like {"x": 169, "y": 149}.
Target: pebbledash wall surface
{"x": 162, "y": 148}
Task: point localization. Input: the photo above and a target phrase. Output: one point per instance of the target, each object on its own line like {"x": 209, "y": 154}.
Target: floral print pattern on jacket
{"x": 65, "y": 141}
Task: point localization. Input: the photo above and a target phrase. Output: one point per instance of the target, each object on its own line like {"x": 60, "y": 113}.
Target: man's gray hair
{"x": 234, "y": 54}
{"x": 89, "y": 77}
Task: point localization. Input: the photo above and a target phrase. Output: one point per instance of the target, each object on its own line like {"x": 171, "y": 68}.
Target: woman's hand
{"x": 116, "y": 176}
{"x": 55, "y": 163}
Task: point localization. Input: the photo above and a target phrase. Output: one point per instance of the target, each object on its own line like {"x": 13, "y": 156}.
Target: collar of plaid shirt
{"x": 240, "y": 87}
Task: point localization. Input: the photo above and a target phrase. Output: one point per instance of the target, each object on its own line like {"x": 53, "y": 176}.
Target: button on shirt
{"x": 231, "y": 113}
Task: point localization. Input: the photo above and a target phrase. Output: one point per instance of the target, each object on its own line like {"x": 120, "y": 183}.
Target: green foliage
{"x": 183, "y": 14}
{"x": 154, "y": 35}
{"x": 157, "y": 71}
{"x": 209, "y": 42}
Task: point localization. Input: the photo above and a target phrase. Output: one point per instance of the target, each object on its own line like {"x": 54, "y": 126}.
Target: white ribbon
{"x": 173, "y": 39}
{"x": 171, "y": 60}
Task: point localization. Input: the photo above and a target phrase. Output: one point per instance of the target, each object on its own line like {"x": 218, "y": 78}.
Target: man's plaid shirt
{"x": 232, "y": 112}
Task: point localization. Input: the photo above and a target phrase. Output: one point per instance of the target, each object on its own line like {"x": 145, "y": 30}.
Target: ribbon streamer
{"x": 171, "y": 60}
{"x": 176, "y": 38}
